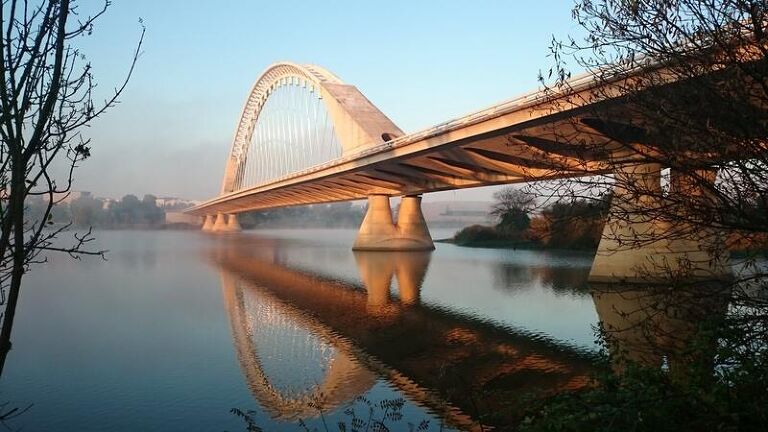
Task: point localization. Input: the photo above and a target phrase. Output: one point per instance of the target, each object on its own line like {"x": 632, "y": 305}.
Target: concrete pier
{"x": 379, "y": 233}
{"x": 641, "y": 245}
{"x": 220, "y": 224}
{"x": 232, "y": 223}
{"x": 208, "y": 221}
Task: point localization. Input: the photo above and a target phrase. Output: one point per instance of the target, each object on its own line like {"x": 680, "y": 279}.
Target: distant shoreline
{"x": 511, "y": 244}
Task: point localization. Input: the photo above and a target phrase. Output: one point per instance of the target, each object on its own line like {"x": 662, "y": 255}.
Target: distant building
{"x": 71, "y": 196}
{"x": 174, "y": 203}
{"x": 106, "y": 203}
{"x": 457, "y": 213}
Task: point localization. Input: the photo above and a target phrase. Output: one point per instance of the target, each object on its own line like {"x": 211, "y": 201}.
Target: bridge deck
{"x": 517, "y": 141}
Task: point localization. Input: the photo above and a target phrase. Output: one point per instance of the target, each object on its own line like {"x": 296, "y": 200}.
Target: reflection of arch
{"x": 288, "y": 287}
{"x": 344, "y": 380}
{"x": 356, "y": 122}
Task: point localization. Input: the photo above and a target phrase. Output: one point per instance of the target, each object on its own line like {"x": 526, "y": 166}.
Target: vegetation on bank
{"x": 717, "y": 381}
{"x": 701, "y": 117}
{"x": 577, "y": 224}
{"x": 88, "y": 211}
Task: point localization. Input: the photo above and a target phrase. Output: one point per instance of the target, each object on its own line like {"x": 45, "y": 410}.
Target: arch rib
{"x": 356, "y": 120}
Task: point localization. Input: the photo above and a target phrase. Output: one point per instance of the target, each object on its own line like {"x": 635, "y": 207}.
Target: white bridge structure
{"x": 306, "y": 137}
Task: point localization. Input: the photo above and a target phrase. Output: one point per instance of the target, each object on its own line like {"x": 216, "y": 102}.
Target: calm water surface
{"x": 177, "y": 328}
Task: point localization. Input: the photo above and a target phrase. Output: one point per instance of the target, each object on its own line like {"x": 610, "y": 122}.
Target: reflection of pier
{"x": 455, "y": 365}
{"x": 656, "y": 325}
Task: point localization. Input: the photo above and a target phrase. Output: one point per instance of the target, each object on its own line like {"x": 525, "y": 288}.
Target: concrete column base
{"x": 226, "y": 223}
{"x": 628, "y": 251}
{"x": 379, "y": 233}
{"x": 208, "y": 222}
{"x": 220, "y": 224}
{"x": 232, "y": 224}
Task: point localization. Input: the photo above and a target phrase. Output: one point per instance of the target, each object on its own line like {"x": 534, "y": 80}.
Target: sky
{"x": 420, "y": 62}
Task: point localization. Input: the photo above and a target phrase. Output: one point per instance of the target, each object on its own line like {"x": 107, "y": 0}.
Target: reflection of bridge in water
{"x": 437, "y": 358}
{"x": 255, "y": 315}
{"x": 306, "y": 137}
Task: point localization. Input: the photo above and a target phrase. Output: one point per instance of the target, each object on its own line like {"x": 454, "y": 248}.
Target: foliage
{"x": 514, "y": 222}
{"x": 678, "y": 86}
{"x": 36, "y": 209}
{"x": 89, "y": 211}
{"x": 130, "y": 211}
{"x": 511, "y": 208}
{"x": 8, "y": 413}
{"x": 247, "y": 418}
{"x": 679, "y": 92}
{"x": 475, "y": 234}
{"x": 86, "y": 211}
{"x": 732, "y": 397}
{"x": 380, "y": 416}
{"x": 575, "y": 224}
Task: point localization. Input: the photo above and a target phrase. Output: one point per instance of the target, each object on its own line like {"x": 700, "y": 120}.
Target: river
{"x": 175, "y": 329}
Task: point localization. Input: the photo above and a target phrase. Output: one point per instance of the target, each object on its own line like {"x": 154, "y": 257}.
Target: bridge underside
{"x": 473, "y": 156}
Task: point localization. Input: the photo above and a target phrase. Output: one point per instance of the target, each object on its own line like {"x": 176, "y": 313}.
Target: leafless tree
{"x": 671, "y": 116}
{"x": 46, "y": 99}
{"x": 673, "y": 119}
{"x": 511, "y": 199}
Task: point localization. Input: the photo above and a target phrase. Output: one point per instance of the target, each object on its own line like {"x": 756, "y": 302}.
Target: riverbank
{"x": 578, "y": 238}
{"x": 478, "y": 236}
{"x": 499, "y": 243}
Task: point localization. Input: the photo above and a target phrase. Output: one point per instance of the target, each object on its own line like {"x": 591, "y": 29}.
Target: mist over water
{"x": 177, "y": 328}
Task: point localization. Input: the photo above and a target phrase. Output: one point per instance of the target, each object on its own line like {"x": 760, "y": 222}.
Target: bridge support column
{"x": 220, "y": 224}
{"x": 208, "y": 222}
{"x": 379, "y": 233}
{"x": 226, "y": 223}
{"x": 640, "y": 244}
{"x": 232, "y": 224}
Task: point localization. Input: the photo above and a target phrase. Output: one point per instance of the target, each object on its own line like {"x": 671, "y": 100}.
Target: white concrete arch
{"x": 357, "y": 122}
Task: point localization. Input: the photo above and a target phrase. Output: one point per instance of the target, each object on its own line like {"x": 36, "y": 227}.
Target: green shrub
{"x": 475, "y": 234}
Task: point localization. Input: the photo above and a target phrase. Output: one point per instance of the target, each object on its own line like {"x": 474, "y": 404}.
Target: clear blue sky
{"x": 420, "y": 62}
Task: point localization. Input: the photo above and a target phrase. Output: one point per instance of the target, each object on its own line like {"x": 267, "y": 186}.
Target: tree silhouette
{"x": 674, "y": 109}
{"x": 46, "y": 99}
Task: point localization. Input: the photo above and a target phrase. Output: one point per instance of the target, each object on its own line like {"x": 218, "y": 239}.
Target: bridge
{"x": 306, "y": 137}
